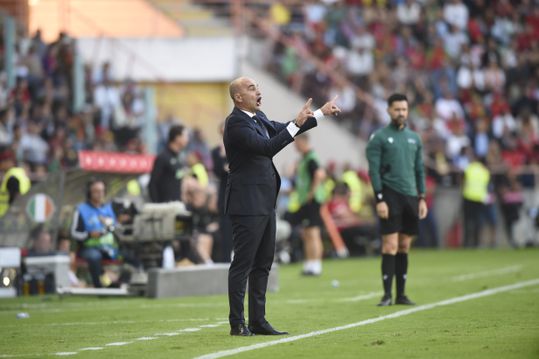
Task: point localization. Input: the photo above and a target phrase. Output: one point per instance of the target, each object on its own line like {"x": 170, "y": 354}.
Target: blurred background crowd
{"x": 470, "y": 69}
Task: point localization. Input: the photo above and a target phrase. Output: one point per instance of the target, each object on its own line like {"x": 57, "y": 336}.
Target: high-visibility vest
{"x": 329, "y": 186}
{"x": 201, "y": 174}
{"x": 24, "y": 186}
{"x": 476, "y": 179}
{"x": 304, "y": 180}
{"x": 133, "y": 188}
{"x": 356, "y": 189}
{"x": 293, "y": 202}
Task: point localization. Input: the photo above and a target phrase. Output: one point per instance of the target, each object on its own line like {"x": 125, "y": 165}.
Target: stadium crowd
{"x": 469, "y": 68}
{"x": 37, "y": 121}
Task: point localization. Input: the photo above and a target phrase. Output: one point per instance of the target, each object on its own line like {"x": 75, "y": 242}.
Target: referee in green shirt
{"x": 398, "y": 179}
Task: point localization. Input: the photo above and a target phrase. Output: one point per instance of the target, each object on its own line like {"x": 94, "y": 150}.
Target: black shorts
{"x": 309, "y": 215}
{"x": 403, "y": 213}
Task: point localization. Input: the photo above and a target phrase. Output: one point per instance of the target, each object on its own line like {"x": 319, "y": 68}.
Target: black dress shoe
{"x": 385, "y": 301}
{"x": 264, "y": 329}
{"x": 240, "y": 330}
{"x": 402, "y": 299}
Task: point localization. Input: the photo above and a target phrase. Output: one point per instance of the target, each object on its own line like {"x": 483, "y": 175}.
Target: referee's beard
{"x": 399, "y": 121}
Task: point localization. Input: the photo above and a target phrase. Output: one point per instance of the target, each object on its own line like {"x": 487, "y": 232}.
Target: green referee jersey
{"x": 395, "y": 160}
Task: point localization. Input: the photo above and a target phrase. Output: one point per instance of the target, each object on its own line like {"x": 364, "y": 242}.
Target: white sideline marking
{"x": 22, "y": 355}
{"x": 117, "y": 344}
{"x": 91, "y": 348}
{"x": 361, "y": 297}
{"x": 170, "y": 334}
{"x": 78, "y": 324}
{"x": 146, "y": 338}
{"x": 487, "y": 273}
{"x": 189, "y": 330}
{"x": 130, "y": 322}
{"x": 398, "y": 314}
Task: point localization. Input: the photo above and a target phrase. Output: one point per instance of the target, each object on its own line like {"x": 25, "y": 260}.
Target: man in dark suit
{"x": 220, "y": 169}
{"x": 251, "y": 141}
{"x": 168, "y": 169}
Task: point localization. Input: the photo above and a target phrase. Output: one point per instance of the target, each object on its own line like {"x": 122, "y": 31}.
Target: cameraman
{"x": 92, "y": 227}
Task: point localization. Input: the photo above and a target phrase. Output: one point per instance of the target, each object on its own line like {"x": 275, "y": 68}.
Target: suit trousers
{"x": 254, "y": 248}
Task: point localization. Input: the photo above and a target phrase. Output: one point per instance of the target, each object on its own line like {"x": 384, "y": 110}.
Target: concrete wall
{"x": 166, "y": 60}
{"x": 196, "y": 280}
{"x": 202, "y": 105}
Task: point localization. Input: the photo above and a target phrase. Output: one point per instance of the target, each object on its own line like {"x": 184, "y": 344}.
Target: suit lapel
{"x": 260, "y": 116}
{"x": 251, "y": 121}
{"x": 259, "y": 125}
{"x": 266, "y": 123}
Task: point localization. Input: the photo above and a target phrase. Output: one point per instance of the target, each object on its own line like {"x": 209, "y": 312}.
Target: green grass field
{"x": 495, "y": 315}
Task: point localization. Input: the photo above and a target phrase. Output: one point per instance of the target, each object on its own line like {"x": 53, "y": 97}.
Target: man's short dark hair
{"x": 91, "y": 182}
{"x": 175, "y": 131}
{"x": 395, "y": 98}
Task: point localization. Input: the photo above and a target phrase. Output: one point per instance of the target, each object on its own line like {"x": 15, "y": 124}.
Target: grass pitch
{"x": 501, "y": 323}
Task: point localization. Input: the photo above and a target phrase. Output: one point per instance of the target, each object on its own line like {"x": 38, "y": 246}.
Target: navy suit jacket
{"x": 253, "y": 181}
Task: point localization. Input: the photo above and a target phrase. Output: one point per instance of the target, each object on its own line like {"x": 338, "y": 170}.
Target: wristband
{"x": 379, "y": 197}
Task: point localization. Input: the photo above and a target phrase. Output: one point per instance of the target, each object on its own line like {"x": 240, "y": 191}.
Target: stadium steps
{"x": 104, "y": 18}
{"x": 194, "y": 19}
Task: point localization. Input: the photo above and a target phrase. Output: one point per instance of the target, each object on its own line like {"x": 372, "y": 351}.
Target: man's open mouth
{"x": 258, "y": 101}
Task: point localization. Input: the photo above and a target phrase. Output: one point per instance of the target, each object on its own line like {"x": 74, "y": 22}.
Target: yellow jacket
{"x": 24, "y": 186}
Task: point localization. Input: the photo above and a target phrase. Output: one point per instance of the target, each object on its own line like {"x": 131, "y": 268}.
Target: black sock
{"x": 401, "y": 268}
{"x": 388, "y": 271}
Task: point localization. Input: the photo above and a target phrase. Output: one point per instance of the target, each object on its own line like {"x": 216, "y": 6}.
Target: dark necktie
{"x": 259, "y": 123}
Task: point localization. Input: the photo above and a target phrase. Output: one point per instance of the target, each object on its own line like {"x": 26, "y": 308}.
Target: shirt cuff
{"x": 318, "y": 114}
{"x": 292, "y": 129}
